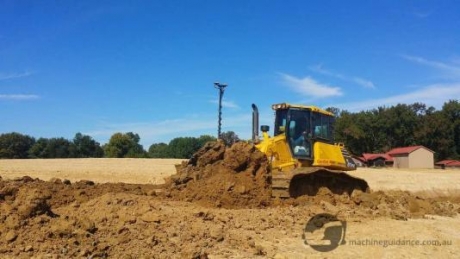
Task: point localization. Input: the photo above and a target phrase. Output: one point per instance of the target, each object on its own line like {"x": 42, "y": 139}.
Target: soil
{"x": 234, "y": 177}
{"x": 218, "y": 205}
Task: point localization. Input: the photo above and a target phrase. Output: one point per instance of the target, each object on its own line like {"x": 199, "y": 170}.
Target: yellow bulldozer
{"x": 302, "y": 152}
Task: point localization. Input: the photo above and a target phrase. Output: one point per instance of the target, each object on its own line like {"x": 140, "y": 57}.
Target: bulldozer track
{"x": 308, "y": 181}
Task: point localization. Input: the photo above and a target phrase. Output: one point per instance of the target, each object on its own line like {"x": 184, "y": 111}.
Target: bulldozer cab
{"x": 303, "y": 126}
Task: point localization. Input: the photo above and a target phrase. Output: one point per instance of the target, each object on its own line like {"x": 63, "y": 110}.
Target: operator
{"x": 304, "y": 136}
{"x": 299, "y": 140}
{"x": 300, "y": 144}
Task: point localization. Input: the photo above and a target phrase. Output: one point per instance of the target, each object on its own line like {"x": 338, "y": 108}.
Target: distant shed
{"x": 448, "y": 164}
{"x": 412, "y": 157}
{"x": 377, "y": 160}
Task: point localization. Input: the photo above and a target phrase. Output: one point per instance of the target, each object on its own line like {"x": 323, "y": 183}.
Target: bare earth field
{"x": 101, "y": 170}
{"x": 121, "y": 215}
{"x": 153, "y": 171}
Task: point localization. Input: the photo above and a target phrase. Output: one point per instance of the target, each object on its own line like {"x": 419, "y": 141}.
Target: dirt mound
{"x": 44, "y": 217}
{"x": 230, "y": 177}
{"x": 400, "y": 205}
{"x": 23, "y": 203}
{"x": 239, "y": 177}
{"x": 60, "y": 219}
{"x": 57, "y": 192}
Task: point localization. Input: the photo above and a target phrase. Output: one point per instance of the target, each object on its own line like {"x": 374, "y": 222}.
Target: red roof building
{"x": 402, "y": 157}
{"x": 377, "y": 159}
{"x": 368, "y": 156}
{"x": 448, "y": 163}
{"x": 412, "y": 157}
{"x": 405, "y": 150}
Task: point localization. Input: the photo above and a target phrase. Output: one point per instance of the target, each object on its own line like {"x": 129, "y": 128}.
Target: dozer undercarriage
{"x": 308, "y": 181}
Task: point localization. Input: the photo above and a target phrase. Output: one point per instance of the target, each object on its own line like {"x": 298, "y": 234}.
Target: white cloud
{"x": 450, "y": 69}
{"x": 363, "y": 82}
{"x": 4, "y": 76}
{"x": 357, "y": 80}
{"x": 433, "y": 95}
{"x": 307, "y": 86}
{"x": 163, "y": 131}
{"x": 155, "y": 129}
{"x": 18, "y": 97}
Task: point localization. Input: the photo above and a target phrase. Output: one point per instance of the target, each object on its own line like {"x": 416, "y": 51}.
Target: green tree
{"x": 15, "y": 145}
{"x": 451, "y": 112}
{"x": 381, "y": 129}
{"x": 334, "y": 110}
{"x": 124, "y": 145}
{"x": 59, "y": 148}
{"x": 348, "y": 129}
{"x": 435, "y": 132}
{"x": 86, "y": 146}
{"x": 229, "y": 137}
{"x": 183, "y": 147}
{"x": 38, "y": 150}
{"x": 203, "y": 139}
{"x": 401, "y": 123}
{"x": 159, "y": 150}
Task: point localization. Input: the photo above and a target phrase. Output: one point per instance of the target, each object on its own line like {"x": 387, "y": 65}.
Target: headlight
{"x": 279, "y": 106}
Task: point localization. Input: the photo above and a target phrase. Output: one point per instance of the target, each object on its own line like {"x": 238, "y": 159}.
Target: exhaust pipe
{"x": 255, "y": 123}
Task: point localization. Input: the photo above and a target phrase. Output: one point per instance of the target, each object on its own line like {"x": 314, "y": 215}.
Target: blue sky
{"x": 101, "y": 67}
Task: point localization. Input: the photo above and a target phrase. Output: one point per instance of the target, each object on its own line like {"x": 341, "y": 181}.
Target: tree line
{"x": 121, "y": 145}
{"x": 372, "y": 131}
{"x": 381, "y": 129}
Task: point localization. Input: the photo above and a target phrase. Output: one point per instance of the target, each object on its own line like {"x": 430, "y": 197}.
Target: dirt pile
{"x": 89, "y": 220}
{"x": 239, "y": 177}
{"x": 60, "y": 219}
{"x": 400, "y": 205}
{"x": 229, "y": 177}
{"x": 38, "y": 216}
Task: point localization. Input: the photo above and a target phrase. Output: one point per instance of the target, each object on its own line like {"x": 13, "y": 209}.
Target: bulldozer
{"x": 302, "y": 152}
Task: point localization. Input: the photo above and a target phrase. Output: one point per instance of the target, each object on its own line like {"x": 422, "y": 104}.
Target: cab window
{"x": 280, "y": 122}
{"x": 322, "y": 126}
{"x": 298, "y": 133}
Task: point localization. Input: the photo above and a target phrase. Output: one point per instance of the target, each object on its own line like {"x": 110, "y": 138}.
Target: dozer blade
{"x": 308, "y": 181}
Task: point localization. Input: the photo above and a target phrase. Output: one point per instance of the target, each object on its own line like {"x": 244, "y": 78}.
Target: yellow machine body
{"x": 321, "y": 162}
